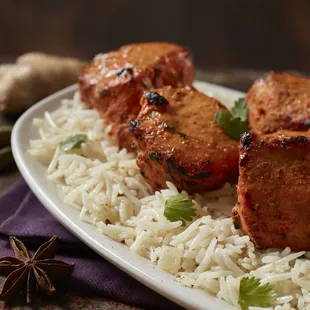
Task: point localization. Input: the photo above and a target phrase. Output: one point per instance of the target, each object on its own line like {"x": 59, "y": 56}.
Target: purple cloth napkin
{"x": 23, "y": 216}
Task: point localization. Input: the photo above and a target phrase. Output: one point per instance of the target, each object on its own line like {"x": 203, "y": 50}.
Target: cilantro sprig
{"x": 233, "y": 122}
{"x": 178, "y": 208}
{"x": 252, "y": 294}
{"x": 240, "y": 110}
{"x": 73, "y": 142}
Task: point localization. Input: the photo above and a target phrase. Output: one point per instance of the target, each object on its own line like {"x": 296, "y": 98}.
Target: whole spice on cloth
{"x": 35, "y": 272}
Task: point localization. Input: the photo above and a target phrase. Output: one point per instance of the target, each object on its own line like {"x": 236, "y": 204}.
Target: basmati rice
{"x": 105, "y": 184}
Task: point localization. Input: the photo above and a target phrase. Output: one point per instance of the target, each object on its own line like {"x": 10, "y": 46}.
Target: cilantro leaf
{"x": 178, "y": 208}
{"x": 252, "y": 294}
{"x": 73, "y": 142}
{"x": 240, "y": 110}
{"x": 234, "y": 122}
{"x": 232, "y": 127}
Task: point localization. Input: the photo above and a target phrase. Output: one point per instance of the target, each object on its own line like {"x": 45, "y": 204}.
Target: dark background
{"x": 220, "y": 34}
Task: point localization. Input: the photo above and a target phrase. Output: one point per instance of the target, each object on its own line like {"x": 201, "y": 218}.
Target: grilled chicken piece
{"x": 113, "y": 83}
{"x": 177, "y": 140}
{"x": 273, "y": 189}
{"x": 279, "y": 101}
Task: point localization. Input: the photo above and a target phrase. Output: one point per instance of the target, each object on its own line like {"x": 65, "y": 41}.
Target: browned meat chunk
{"x": 177, "y": 140}
{"x": 273, "y": 190}
{"x": 279, "y": 101}
{"x": 113, "y": 83}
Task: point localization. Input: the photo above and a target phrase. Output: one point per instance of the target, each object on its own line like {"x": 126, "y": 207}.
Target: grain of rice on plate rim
{"x": 106, "y": 186}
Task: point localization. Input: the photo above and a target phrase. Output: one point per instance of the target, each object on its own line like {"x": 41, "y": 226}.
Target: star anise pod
{"x": 32, "y": 272}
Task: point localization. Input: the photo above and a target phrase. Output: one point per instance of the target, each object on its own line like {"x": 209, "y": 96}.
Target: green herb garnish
{"x": 240, "y": 110}
{"x": 252, "y": 294}
{"x": 233, "y": 122}
{"x": 73, "y": 142}
{"x": 232, "y": 127}
{"x": 178, "y": 208}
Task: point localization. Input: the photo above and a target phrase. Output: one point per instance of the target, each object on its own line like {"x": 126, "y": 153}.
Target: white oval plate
{"x": 118, "y": 254}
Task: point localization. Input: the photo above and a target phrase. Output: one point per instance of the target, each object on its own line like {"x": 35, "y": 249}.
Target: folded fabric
{"x": 23, "y": 216}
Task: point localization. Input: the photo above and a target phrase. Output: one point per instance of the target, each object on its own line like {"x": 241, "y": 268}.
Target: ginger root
{"x": 33, "y": 77}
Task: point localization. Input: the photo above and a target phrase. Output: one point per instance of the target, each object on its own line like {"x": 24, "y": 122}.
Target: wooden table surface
{"x": 238, "y": 79}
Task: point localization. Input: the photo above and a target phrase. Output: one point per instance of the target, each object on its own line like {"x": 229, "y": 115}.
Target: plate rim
{"x": 191, "y": 297}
